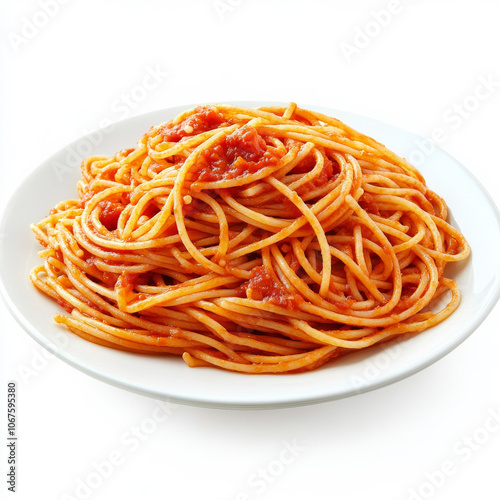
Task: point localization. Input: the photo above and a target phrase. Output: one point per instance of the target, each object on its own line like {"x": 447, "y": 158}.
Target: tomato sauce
{"x": 205, "y": 118}
{"x": 367, "y": 202}
{"x": 262, "y": 286}
{"x": 407, "y": 299}
{"x": 126, "y": 282}
{"x": 66, "y": 305}
{"x": 330, "y": 170}
{"x": 109, "y": 279}
{"x": 195, "y": 207}
{"x": 239, "y": 154}
{"x": 110, "y": 213}
{"x": 305, "y": 165}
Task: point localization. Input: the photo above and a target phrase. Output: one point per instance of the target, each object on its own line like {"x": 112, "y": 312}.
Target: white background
{"x": 430, "y": 436}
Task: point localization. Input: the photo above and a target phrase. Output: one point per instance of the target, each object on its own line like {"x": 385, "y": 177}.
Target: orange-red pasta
{"x": 263, "y": 240}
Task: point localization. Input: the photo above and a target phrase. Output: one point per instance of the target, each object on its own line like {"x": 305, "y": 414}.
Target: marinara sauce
{"x": 239, "y": 154}
{"x": 262, "y": 286}
{"x": 203, "y": 119}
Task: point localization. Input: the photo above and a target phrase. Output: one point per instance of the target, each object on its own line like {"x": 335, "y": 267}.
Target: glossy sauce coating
{"x": 262, "y": 286}
{"x": 204, "y": 118}
{"x": 241, "y": 153}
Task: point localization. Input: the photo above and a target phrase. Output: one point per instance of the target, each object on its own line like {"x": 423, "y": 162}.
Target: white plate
{"x": 167, "y": 377}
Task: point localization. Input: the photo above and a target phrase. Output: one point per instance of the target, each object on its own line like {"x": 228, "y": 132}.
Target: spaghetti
{"x": 256, "y": 240}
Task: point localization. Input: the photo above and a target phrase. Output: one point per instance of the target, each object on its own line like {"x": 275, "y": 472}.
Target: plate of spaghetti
{"x": 249, "y": 254}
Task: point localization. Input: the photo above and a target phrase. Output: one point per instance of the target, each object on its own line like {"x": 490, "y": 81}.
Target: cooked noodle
{"x": 257, "y": 240}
